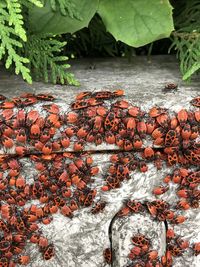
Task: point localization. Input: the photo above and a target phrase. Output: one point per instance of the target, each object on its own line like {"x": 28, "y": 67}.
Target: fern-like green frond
{"x": 66, "y": 7}
{"x": 186, "y": 38}
{"x": 10, "y": 32}
{"x": 30, "y": 3}
{"x": 187, "y": 46}
{"x": 15, "y": 18}
{"x": 195, "y": 67}
{"x": 188, "y": 16}
{"x": 42, "y": 52}
{"x": 37, "y": 3}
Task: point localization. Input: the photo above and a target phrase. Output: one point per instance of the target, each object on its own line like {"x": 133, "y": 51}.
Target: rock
{"x": 80, "y": 241}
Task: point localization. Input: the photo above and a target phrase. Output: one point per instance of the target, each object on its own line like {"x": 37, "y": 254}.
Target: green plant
{"x": 33, "y": 32}
{"x": 12, "y": 36}
{"x": 95, "y": 41}
{"x": 31, "y": 55}
{"x": 45, "y": 63}
{"x": 186, "y": 37}
{"x": 133, "y": 22}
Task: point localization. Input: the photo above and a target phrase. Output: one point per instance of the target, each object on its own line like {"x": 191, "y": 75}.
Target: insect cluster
{"x": 62, "y": 183}
{"x": 56, "y": 141}
{"x": 158, "y": 209}
{"x": 141, "y": 255}
{"x": 96, "y": 118}
{"x": 175, "y": 245}
{"x": 188, "y": 182}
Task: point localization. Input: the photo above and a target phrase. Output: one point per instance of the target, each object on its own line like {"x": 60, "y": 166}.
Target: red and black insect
{"x": 7, "y": 105}
{"x": 175, "y": 250}
{"x": 196, "y": 248}
{"x": 6, "y": 115}
{"x": 45, "y": 97}
{"x": 2, "y": 97}
{"x": 135, "y": 206}
{"x": 156, "y": 111}
{"x": 48, "y": 252}
{"x": 110, "y": 121}
{"x": 140, "y": 240}
{"x": 171, "y": 86}
{"x": 160, "y": 190}
{"x": 99, "y": 207}
{"x": 196, "y": 101}
{"x": 37, "y": 190}
{"x": 52, "y": 108}
{"x": 107, "y": 254}
{"x": 83, "y": 95}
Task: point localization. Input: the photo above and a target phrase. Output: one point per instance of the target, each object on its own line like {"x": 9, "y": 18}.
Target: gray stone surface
{"x": 142, "y": 80}
{"x": 79, "y": 242}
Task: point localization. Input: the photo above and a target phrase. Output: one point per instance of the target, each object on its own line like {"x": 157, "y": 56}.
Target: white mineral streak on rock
{"x": 78, "y": 242}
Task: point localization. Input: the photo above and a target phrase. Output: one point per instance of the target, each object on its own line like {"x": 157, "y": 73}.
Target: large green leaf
{"x": 46, "y": 20}
{"x": 137, "y": 22}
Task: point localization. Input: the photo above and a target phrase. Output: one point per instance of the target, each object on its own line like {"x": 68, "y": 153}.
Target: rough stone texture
{"x": 143, "y": 81}
{"x": 79, "y": 242}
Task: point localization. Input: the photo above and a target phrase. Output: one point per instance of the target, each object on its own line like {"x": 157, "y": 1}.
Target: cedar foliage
{"x": 31, "y": 55}
{"x": 45, "y": 62}
{"x": 12, "y": 36}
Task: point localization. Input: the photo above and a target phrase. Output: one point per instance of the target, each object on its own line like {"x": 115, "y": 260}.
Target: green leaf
{"x": 36, "y": 3}
{"x": 55, "y": 23}
{"x": 137, "y": 22}
{"x": 191, "y": 71}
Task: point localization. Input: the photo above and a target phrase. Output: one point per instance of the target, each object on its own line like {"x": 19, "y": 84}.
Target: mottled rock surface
{"x": 79, "y": 242}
